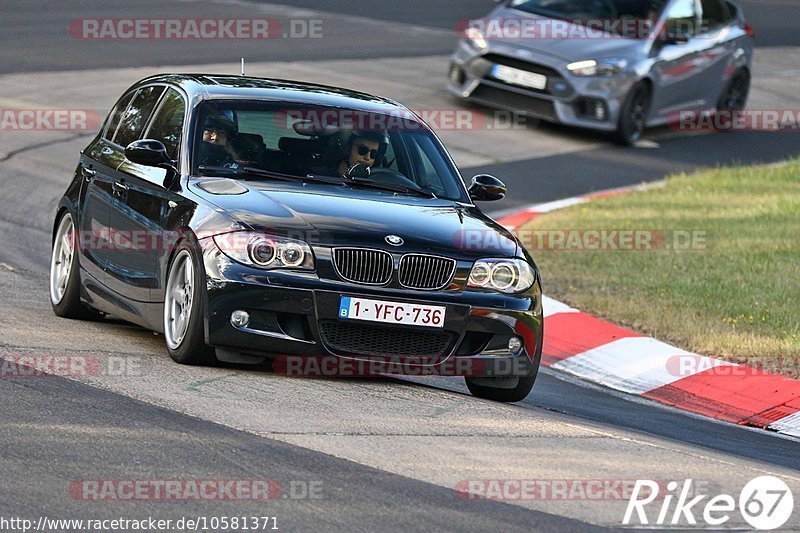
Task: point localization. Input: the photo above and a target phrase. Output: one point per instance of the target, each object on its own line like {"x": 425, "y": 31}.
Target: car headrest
{"x": 294, "y": 145}
{"x": 253, "y": 138}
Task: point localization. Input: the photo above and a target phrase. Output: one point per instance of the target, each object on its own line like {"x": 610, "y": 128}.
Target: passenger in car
{"x": 217, "y": 148}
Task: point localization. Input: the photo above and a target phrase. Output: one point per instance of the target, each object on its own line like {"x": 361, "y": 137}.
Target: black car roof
{"x": 221, "y": 86}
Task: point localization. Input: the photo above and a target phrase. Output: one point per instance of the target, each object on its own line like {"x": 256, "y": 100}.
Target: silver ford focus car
{"x": 611, "y": 65}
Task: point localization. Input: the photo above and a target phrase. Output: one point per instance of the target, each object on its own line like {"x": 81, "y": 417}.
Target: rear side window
{"x": 116, "y": 115}
{"x": 135, "y": 117}
{"x": 168, "y": 122}
{"x": 715, "y": 13}
{"x": 682, "y": 19}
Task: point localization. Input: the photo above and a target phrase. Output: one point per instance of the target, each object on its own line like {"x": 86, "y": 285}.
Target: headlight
{"x": 476, "y": 38}
{"x": 502, "y": 275}
{"x": 265, "y": 251}
{"x": 603, "y": 67}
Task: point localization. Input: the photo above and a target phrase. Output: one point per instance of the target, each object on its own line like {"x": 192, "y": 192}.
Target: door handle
{"x": 88, "y": 173}
{"x": 119, "y": 188}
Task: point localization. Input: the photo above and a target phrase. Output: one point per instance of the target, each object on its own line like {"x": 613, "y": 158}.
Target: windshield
{"x": 599, "y": 13}
{"x": 253, "y": 137}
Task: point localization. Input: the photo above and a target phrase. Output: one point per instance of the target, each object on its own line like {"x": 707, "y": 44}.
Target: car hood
{"x": 567, "y": 49}
{"x": 330, "y": 216}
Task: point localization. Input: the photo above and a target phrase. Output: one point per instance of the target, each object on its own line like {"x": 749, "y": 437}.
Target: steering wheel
{"x": 392, "y": 176}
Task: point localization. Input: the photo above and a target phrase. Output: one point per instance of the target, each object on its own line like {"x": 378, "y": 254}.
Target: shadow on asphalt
{"x": 562, "y": 176}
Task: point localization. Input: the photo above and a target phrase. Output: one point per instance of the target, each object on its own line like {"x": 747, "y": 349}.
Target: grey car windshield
{"x": 321, "y": 141}
{"x": 590, "y": 11}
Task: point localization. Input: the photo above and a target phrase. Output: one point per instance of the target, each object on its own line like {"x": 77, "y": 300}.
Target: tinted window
{"x": 116, "y": 114}
{"x": 714, "y": 13}
{"x": 600, "y": 14}
{"x": 168, "y": 122}
{"x": 682, "y": 19}
{"x": 591, "y": 8}
{"x": 322, "y": 141}
{"x": 135, "y": 118}
{"x": 429, "y": 165}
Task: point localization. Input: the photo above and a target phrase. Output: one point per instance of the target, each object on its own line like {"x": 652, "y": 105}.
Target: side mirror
{"x": 486, "y": 188}
{"x": 147, "y": 152}
{"x": 153, "y": 153}
{"x": 677, "y": 33}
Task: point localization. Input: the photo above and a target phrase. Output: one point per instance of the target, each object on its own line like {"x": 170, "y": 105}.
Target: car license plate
{"x": 523, "y": 78}
{"x": 431, "y": 316}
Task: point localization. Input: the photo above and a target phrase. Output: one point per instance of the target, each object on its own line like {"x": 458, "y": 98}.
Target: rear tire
{"x": 65, "y": 282}
{"x": 734, "y": 96}
{"x": 184, "y": 312}
{"x": 633, "y": 116}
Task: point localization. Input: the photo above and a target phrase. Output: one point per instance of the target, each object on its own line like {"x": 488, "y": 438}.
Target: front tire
{"x": 65, "y": 282}
{"x": 183, "y": 310}
{"x": 633, "y": 116}
{"x": 482, "y": 388}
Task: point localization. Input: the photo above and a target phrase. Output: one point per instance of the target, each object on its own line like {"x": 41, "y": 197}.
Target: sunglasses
{"x": 363, "y": 150}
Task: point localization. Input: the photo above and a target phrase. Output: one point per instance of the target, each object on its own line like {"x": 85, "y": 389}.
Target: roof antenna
{"x": 242, "y": 66}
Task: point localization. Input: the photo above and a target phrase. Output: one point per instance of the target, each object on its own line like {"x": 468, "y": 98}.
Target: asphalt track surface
{"x": 65, "y": 423}
{"x": 55, "y": 431}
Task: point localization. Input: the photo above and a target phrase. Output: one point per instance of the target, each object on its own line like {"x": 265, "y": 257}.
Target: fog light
{"x": 514, "y": 345}
{"x": 599, "y": 111}
{"x": 456, "y": 75}
{"x": 240, "y": 319}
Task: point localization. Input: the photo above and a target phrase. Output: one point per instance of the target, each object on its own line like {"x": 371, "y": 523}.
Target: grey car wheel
{"x": 734, "y": 96}
{"x": 633, "y": 115}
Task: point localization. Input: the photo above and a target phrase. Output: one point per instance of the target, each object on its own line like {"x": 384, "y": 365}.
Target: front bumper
{"x": 297, "y": 314}
{"x": 585, "y": 102}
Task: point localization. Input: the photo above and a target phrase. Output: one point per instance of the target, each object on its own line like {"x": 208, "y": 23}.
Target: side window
{"x": 133, "y": 122}
{"x": 714, "y": 14}
{"x": 168, "y": 123}
{"x": 430, "y": 166}
{"x": 116, "y": 114}
{"x": 681, "y": 19}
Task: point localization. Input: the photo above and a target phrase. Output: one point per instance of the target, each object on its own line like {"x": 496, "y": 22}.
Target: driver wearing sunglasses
{"x": 364, "y": 149}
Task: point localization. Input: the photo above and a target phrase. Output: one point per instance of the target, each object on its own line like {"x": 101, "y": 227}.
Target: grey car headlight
{"x": 265, "y": 251}
{"x": 602, "y": 67}
{"x": 502, "y": 275}
{"x": 475, "y": 37}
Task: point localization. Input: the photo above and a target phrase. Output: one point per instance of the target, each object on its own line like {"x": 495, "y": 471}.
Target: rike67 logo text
{"x": 765, "y": 503}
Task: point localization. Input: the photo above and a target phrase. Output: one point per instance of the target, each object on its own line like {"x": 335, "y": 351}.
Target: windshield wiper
{"x": 246, "y": 173}
{"x": 390, "y": 187}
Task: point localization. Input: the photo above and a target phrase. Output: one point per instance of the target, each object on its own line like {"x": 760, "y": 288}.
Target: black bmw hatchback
{"x": 248, "y": 219}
